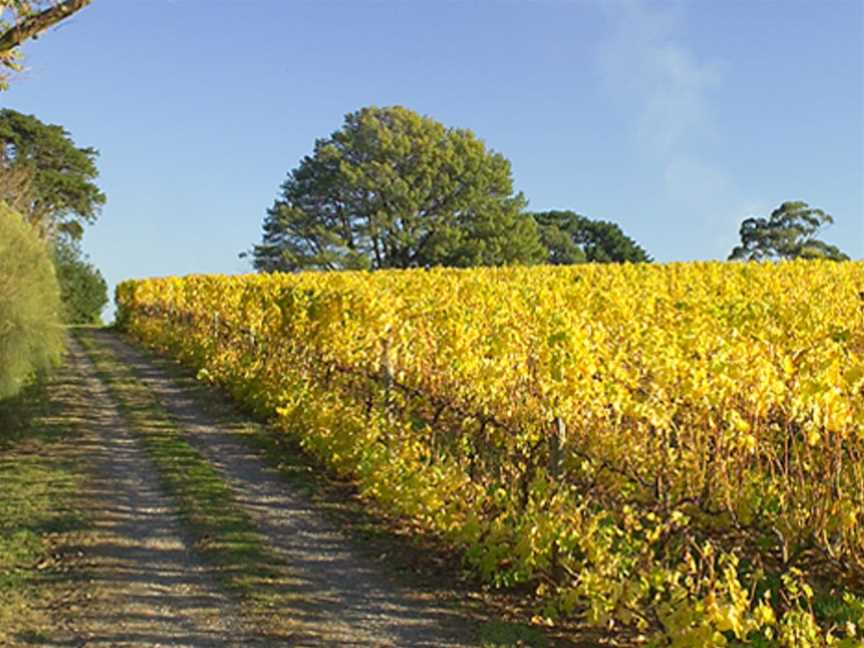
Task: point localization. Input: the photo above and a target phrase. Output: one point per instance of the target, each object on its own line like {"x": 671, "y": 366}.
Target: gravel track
{"x": 144, "y": 585}
{"x": 343, "y": 598}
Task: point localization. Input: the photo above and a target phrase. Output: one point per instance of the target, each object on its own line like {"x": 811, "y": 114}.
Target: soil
{"x": 143, "y": 586}
{"x": 343, "y": 597}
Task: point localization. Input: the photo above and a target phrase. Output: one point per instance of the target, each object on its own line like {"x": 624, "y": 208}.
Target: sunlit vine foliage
{"x": 674, "y": 448}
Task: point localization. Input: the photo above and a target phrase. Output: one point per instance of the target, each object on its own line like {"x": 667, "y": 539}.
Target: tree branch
{"x": 34, "y": 25}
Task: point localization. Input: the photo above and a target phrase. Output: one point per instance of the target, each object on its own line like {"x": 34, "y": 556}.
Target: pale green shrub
{"x": 31, "y": 334}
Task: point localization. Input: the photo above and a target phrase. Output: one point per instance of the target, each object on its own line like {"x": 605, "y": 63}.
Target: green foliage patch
{"x": 573, "y": 238}
{"x": 31, "y": 337}
{"x": 82, "y": 287}
{"x": 61, "y": 196}
{"x": 396, "y": 189}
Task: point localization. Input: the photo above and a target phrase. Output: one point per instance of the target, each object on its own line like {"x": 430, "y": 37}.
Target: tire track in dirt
{"x": 344, "y": 598}
{"x": 145, "y": 587}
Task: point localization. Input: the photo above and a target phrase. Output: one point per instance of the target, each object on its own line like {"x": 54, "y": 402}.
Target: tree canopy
{"x": 572, "y": 238}
{"x": 395, "y": 189}
{"x": 83, "y": 290}
{"x": 789, "y": 233}
{"x": 53, "y": 180}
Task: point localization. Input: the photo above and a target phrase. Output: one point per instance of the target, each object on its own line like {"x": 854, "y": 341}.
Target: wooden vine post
{"x": 557, "y": 441}
{"x": 556, "y": 448}
{"x": 387, "y": 373}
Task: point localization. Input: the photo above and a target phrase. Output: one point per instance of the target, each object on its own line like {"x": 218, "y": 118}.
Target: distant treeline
{"x": 396, "y": 189}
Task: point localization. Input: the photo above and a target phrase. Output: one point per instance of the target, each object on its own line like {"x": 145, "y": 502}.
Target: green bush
{"x": 31, "y": 333}
{"x": 83, "y": 290}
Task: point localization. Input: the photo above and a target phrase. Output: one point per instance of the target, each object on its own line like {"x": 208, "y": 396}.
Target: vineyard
{"x": 675, "y": 449}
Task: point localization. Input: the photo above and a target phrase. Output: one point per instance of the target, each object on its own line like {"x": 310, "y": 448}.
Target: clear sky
{"x": 676, "y": 120}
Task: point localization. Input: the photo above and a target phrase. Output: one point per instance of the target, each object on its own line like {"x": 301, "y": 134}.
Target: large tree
{"x": 21, "y": 20}
{"x": 789, "y": 233}
{"x": 395, "y": 189}
{"x": 572, "y": 238}
{"x": 49, "y": 179}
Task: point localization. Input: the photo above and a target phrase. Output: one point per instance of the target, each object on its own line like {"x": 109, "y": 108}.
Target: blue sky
{"x": 674, "y": 119}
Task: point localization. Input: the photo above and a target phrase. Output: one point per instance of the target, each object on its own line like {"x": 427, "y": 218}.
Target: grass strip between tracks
{"x": 222, "y": 532}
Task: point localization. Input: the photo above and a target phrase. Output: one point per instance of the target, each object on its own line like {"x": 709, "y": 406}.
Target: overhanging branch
{"x": 34, "y": 25}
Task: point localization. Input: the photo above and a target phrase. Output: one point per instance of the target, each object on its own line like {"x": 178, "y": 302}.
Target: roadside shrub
{"x": 31, "y": 334}
{"x": 83, "y": 290}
